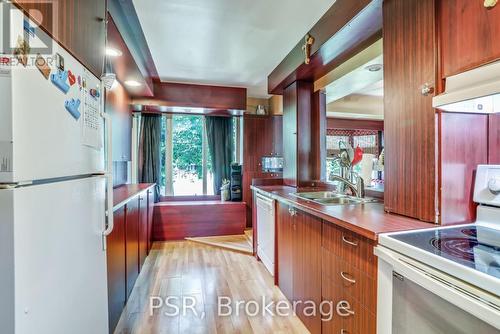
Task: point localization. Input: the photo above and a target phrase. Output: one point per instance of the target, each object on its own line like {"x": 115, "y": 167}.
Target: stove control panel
{"x": 487, "y": 186}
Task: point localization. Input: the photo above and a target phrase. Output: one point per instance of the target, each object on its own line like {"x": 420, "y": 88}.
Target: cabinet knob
{"x": 494, "y": 185}
{"x": 292, "y": 212}
{"x": 426, "y": 89}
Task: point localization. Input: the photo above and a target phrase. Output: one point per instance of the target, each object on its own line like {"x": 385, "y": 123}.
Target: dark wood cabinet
{"x": 115, "y": 252}
{"x": 127, "y": 249}
{"x": 77, "y": 25}
{"x": 410, "y": 121}
{"x": 469, "y": 35}
{"x": 307, "y": 266}
{"x": 299, "y": 261}
{"x": 132, "y": 243}
{"x": 143, "y": 228}
{"x": 262, "y": 136}
{"x": 151, "y": 206}
{"x": 285, "y": 251}
{"x": 349, "y": 276}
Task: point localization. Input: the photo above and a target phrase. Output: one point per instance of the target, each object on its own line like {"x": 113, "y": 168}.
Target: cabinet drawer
{"x": 355, "y": 319}
{"x": 353, "y": 282}
{"x": 351, "y": 247}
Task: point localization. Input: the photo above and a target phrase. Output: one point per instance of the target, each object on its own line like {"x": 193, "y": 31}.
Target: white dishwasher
{"x": 266, "y": 231}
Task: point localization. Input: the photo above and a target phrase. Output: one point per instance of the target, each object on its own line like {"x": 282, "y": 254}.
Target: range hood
{"x": 475, "y": 91}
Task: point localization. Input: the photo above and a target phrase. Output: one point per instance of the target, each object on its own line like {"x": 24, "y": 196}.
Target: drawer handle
{"x": 344, "y": 276}
{"x": 343, "y": 309}
{"x": 292, "y": 212}
{"x": 352, "y": 243}
{"x": 344, "y": 331}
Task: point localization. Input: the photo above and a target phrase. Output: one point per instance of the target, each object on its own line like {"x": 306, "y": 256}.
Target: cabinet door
{"x": 469, "y": 35}
{"x": 132, "y": 248}
{"x": 143, "y": 229}
{"x": 410, "y": 136}
{"x": 77, "y": 25}
{"x": 285, "y": 251}
{"x": 151, "y": 206}
{"x": 115, "y": 252}
{"x": 278, "y": 135}
{"x": 307, "y": 267}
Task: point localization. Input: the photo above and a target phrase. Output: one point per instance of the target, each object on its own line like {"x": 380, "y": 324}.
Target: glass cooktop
{"x": 474, "y": 246}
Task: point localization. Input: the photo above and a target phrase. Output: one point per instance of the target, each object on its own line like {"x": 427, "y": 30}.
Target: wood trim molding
{"x": 127, "y": 22}
{"x": 354, "y": 124}
{"x": 125, "y": 66}
{"x": 168, "y": 94}
{"x": 346, "y": 28}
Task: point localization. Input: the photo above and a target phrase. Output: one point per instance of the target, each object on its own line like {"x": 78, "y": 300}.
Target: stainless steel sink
{"x": 319, "y": 195}
{"x": 332, "y": 198}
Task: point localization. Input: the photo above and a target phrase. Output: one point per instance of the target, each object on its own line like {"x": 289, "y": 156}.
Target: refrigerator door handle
{"x": 109, "y": 176}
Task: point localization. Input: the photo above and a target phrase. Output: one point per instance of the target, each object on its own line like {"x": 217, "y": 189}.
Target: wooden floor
{"x": 205, "y": 273}
{"x": 239, "y": 243}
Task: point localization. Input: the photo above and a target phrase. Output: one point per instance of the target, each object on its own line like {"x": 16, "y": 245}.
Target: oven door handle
{"x": 442, "y": 285}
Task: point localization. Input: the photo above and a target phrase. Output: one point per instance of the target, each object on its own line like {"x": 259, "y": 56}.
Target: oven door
{"x": 415, "y": 298}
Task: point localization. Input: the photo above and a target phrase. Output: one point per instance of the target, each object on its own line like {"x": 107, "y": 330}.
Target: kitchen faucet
{"x": 358, "y": 189}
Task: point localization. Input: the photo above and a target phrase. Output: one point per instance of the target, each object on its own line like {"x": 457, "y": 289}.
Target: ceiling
{"x": 357, "y": 106}
{"x": 225, "y": 42}
{"x": 359, "y": 81}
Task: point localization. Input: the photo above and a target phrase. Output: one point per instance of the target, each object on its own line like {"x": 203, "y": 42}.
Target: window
{"x": 368, "y": 140}
{"x": 187, "y": 166}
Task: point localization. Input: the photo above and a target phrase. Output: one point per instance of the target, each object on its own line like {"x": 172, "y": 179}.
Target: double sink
{"x": 333, "y": 198}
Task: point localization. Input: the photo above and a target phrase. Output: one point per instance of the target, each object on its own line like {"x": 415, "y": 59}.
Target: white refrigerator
{"x": 55, "y": 189}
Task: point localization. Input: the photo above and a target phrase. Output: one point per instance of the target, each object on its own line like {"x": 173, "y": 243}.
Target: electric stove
{"x": 469, "y": 252}
{"x": 463, "y": 245}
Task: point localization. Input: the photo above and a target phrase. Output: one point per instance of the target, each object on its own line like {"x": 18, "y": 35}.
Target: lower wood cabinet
{"x": 132, "y": 243}
{"x": 349, "y": 277}
{"x": 143, "y": 228}
{"x": 299, "y": 261}
{"x": 320, "y": 262}
{"x": 117, "y": 286}
{"x": 127, "y": 249}
{"x": 151, "y": 203}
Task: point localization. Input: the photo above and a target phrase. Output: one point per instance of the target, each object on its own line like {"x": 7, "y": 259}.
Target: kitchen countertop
{"x": 124, "y": 193}
{"x": 368, "y": 220}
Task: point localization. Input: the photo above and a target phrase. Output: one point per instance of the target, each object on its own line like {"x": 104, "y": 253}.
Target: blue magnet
{"x": 59, "y": 80}
{"x": 72, "y": 107}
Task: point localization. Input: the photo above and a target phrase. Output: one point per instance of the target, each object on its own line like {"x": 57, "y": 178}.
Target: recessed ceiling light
{"x": 112, "y": 52}
{"x": 133, "y": 83}
{"x": 374, "y": 67}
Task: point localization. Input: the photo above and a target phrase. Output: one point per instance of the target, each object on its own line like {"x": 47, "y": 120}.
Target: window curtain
{"x": 149, "y": 152}
{"x": 220, "y": 144}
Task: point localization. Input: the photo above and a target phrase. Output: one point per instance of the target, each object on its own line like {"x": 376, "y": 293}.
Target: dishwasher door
{"x": 266, "y": 231}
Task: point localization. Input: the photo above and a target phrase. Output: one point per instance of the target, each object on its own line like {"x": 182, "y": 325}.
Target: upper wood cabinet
{"x": 76, "y": 24}
{"x": 262, "y": 136}
{"x": 410, "y": 128}
{"x": 469, "y": 35}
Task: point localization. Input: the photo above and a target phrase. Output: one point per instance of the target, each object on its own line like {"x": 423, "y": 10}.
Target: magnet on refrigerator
{"x": 59, "y": 80}
{"x": 73, "y": 106}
